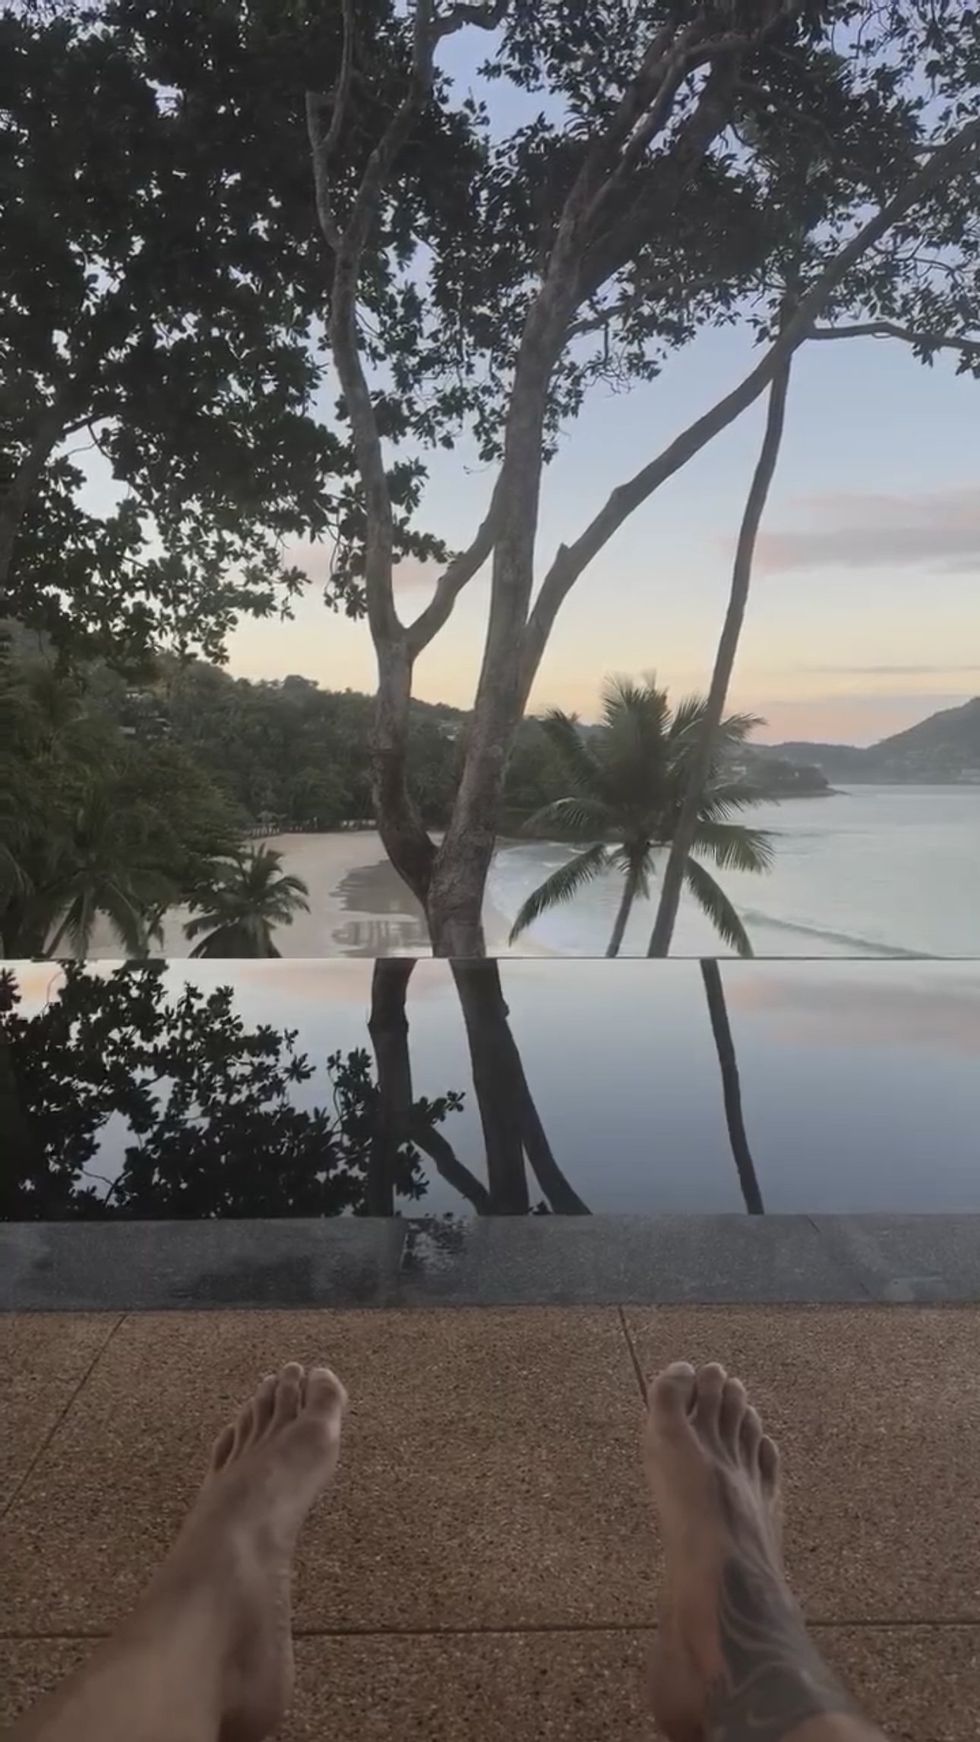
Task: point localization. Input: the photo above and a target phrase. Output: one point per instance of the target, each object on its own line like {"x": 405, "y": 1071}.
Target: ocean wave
{"x": 755, "y": 917}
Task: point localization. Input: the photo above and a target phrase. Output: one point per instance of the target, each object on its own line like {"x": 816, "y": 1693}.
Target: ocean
{"x": 890, "y": 871}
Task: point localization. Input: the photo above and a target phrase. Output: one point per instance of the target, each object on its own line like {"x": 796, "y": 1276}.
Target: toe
{"x": 769, "y": 1464}
{"x": 750, "y": 1438}
{"x": 734, "y": 1402}
{"x": 670, "y": 1395}
{"x": 244, "y": 1427}
{"x": 709, "y": 1385}
{"x": 223, "y": 1446}
{"x": 325, "y": 1395}
{"x": 263, "y": 1403}
{"x": 288, "y": 1394}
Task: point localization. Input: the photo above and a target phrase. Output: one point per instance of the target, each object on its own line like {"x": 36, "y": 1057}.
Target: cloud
{"x": 872, "y": 530}
{"x": 887, "y": 670}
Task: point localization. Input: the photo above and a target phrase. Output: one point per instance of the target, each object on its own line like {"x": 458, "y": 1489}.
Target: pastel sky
{"x": 865, "y": 607}
{"x": 865, "y": 612}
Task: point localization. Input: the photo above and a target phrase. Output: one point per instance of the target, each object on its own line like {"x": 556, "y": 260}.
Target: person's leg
{"x": 733, "y": 1661}
{"x": 207, "y": 1654}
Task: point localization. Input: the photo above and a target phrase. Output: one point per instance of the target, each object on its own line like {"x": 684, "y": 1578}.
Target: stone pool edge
{"x": 493, "y": 1261}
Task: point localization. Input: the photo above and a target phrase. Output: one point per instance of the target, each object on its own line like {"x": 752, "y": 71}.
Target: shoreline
{"x": 359, "y": 906}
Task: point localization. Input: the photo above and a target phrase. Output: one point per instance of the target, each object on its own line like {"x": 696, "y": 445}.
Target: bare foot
{"x": 232, "y": 1560}
{"x": 732, "y": 1657}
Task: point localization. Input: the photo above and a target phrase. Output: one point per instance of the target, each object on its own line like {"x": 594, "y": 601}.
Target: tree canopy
{"x": 163, "y": 293}
{"x": 93, "y": 821}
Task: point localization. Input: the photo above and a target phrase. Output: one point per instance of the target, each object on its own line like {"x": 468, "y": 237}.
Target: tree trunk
{"x": 625, "y": 908}
{"x": 396, "y": 1122}
{"x": 388, "y": 1028}
{"x": 687, "y": 822}
{"x": 731, "y": 1087}
{"x": 485, "y": 1016}
{"x": 511, "y": 1123}
{"x": 562, "y": 1197}
{"x": 454, "y": 911}
{"x": 403, "y": 834}
{"x": 49, "y": 949}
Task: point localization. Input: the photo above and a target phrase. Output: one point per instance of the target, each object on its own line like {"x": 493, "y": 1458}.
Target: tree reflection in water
{"x": 731, "y": 1087}
{"x": 196, "y": 1111}
{"x": 193, "y": 1109}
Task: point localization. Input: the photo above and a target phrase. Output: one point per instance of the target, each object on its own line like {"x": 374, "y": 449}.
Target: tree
{"x": 640, "y": 212}
{"x": 161, "y": 293}
{"x": 626, "y": 785}
{"x": 82, "y": 829}
{"x": 243, "y": 903}
{"x": 203, "y": 1102}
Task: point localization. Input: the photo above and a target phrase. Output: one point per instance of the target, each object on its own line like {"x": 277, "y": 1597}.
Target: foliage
{"x": 162, "y": 292}
{"x": 211, "y": 1123}
{"x": 289, "y": 754}
{"x": 242, "y": 902}
{"x": 92, "y": 821}
{"x": 625, "y": 785}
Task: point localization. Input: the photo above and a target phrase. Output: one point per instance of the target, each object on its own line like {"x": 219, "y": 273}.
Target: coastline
{"x": 359, "y": 906}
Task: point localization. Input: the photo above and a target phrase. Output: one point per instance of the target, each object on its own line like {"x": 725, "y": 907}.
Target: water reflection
{"x": 721, "y": 1030}
{"x": 242, "y": 1089}
{"x": 385, "y": 917}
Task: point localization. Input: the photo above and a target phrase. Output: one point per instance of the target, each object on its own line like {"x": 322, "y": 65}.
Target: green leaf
{"x": 713, "y": 901}
{"x": 561, "y": 886}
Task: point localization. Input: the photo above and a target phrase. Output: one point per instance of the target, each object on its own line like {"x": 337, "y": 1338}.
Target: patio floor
{"x": 487, "y": 1568}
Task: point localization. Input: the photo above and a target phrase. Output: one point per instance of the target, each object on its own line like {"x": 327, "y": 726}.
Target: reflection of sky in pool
{"x": 860, "y": 1081}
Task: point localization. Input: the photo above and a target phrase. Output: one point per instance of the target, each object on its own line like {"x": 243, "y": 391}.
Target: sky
{"x": 865, "y": 608}
{"x": 864, "y": 614}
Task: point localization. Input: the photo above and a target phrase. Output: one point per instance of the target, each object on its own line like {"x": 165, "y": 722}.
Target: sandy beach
{"x": 359, "y": 906}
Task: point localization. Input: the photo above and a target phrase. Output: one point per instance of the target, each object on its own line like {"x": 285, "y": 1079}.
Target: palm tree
{"x": 108, "y": 867}
{"x": 243, "y": 902}
{"x": 627, "y": 784}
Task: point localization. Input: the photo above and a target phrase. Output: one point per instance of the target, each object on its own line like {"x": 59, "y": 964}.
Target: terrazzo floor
{"x": 487, "y": 1568}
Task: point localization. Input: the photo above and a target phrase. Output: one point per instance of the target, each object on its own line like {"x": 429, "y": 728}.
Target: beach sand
{"x": 359, "y": 906}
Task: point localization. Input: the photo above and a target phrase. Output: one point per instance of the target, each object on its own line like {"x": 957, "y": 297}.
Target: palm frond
{"x": 713, "y": 901}
{"x": 561, "y": 886}
{"x": 583, "y": 818}
{"x": 735, "y": 728}
{"x": 636, "y": 863}
{"x": 623, "y": 696}
{"x": 563, "y": 734}
{"x": 734, "y": 847}
{"x": 727, "y": 797}
{"x": 687, "y": 718}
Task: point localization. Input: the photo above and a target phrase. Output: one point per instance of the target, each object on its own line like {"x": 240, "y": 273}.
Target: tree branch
{"x": 447, "y": 1163}
{"x": 909, "y": 335}
{"x": 570, "y": 560}
{"x": 456, "y": 575}
{"x": 323, "y": 145}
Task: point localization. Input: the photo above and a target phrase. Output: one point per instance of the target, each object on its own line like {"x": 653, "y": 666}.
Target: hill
{"x": 943, "y": 749}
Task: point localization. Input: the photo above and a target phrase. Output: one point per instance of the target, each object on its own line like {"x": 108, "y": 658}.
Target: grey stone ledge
{"x": 493, "y": 1261}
